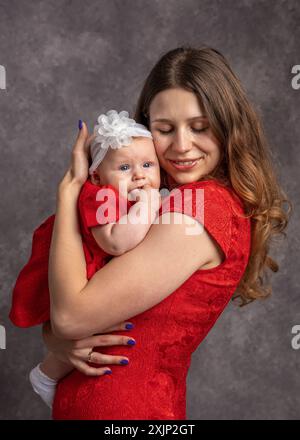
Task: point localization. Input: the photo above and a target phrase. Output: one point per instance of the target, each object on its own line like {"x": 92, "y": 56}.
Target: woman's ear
{"x": 95, "y": 178}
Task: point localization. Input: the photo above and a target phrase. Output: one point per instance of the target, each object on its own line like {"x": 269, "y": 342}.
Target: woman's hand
{"x": 76, "y": 352}
{"x": 77, "y": 172}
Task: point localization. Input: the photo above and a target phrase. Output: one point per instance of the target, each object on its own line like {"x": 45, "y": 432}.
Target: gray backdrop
{"x": 67, "y": 60}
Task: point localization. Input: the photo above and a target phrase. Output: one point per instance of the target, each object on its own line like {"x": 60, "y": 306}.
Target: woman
{"x": 173, "y": 286}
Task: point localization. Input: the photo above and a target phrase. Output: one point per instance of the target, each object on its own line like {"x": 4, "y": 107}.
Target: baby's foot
{"x": 43, "y": 385}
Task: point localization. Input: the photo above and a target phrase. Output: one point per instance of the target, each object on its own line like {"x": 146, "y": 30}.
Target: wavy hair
{"x": 246, "y": 162}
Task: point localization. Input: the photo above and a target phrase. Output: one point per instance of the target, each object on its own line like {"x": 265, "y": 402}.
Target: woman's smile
{"x": 185, "y": 165}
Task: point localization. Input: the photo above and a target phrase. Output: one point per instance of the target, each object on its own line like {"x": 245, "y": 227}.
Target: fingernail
{"x": 80, "y": 124}
{"x": 108, "y": 372}
{"x": 124, "y": 362}
{"x": 128, "y": 326}
{"x": 131, "y": 342}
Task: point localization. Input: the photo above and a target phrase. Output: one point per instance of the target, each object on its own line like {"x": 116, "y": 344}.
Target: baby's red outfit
{"x": 31, "y": 302}
{"x": 153, "y": 384}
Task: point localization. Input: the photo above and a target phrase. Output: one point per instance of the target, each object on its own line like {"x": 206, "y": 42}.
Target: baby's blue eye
{"x": 149, "y": 164}
{"x": 124, "y": 167}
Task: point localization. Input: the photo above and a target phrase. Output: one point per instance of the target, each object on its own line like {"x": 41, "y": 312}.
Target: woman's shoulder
{"x": 218, "y": 192}
{"x": 216, "y": 206}
{"x": 211, "y": 186}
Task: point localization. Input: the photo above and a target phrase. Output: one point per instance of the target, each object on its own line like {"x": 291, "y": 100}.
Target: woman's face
{"x": 185, "y": 145}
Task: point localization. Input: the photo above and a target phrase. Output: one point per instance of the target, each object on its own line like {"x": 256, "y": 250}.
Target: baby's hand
{"x": 146, "y": 194}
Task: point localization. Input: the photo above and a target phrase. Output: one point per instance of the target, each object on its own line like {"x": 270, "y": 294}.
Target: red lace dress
{"x": 153, "y": 384}
{"x": 31, "y": 301}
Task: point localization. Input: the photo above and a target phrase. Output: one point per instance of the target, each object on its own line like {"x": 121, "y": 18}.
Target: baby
{"x": 116, "y": 209}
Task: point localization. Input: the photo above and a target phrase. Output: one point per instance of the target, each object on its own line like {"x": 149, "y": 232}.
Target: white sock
{"x": 43, "y": 385}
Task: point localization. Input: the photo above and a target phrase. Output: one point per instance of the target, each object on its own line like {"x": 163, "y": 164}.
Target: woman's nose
{"x": 181, "y": 142}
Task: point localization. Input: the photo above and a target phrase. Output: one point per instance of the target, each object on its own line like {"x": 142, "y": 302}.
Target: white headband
{"x": 115, "y": 131}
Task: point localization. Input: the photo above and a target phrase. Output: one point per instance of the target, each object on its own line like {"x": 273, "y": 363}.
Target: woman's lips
{"x": 184, "y": 165}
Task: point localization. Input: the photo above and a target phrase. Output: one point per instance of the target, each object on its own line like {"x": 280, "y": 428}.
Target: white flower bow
{"x": 114, "y": 130}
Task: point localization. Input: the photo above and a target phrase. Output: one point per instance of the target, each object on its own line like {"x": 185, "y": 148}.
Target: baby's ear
{"x": 95, "y": 178}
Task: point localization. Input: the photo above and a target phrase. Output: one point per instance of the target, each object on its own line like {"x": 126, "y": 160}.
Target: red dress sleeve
{"x": 100, "y": 205}
{"x": 206, "y": 202}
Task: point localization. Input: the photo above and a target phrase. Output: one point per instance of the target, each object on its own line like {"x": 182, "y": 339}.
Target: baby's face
{"x": 135, "y": 166}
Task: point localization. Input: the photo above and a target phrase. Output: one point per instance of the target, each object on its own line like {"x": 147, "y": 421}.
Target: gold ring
{"x": 89, "y": 358}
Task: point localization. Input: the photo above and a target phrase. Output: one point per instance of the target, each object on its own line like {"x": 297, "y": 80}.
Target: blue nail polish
{"x": 124, "y": 362}
{"x": 131, "y": 342}
{"x": 80, "y": 124}
{"x": 128, "y": 326}
{"x": 108, "y": 372}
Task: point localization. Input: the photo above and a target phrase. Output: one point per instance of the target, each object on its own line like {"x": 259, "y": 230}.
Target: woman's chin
{"x": 184, "y": 178}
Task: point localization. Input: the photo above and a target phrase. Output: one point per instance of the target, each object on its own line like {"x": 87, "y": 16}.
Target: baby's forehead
{"x": 143, "y": 142}
{"x": 136, "y": 150}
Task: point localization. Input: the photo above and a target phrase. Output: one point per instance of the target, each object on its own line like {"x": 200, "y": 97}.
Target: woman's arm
{"x": 76, "y": 352}
{"x": 128, "y": 284}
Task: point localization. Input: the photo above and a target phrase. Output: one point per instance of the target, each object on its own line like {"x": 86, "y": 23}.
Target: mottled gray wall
{"x": 67, "y": 60}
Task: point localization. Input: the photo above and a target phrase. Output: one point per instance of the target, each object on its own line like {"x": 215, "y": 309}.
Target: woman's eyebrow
{"x": 189, "y": 119}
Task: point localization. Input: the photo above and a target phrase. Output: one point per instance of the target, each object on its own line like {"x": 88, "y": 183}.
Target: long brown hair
{"x": 246, "y": 163}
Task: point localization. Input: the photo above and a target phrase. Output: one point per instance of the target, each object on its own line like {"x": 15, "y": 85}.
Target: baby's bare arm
{"x": 118, "y": 238}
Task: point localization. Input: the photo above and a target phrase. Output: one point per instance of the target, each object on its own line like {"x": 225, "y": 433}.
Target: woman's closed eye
{"x": 200, "y": 130}
{"x": 195, "y": 130}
